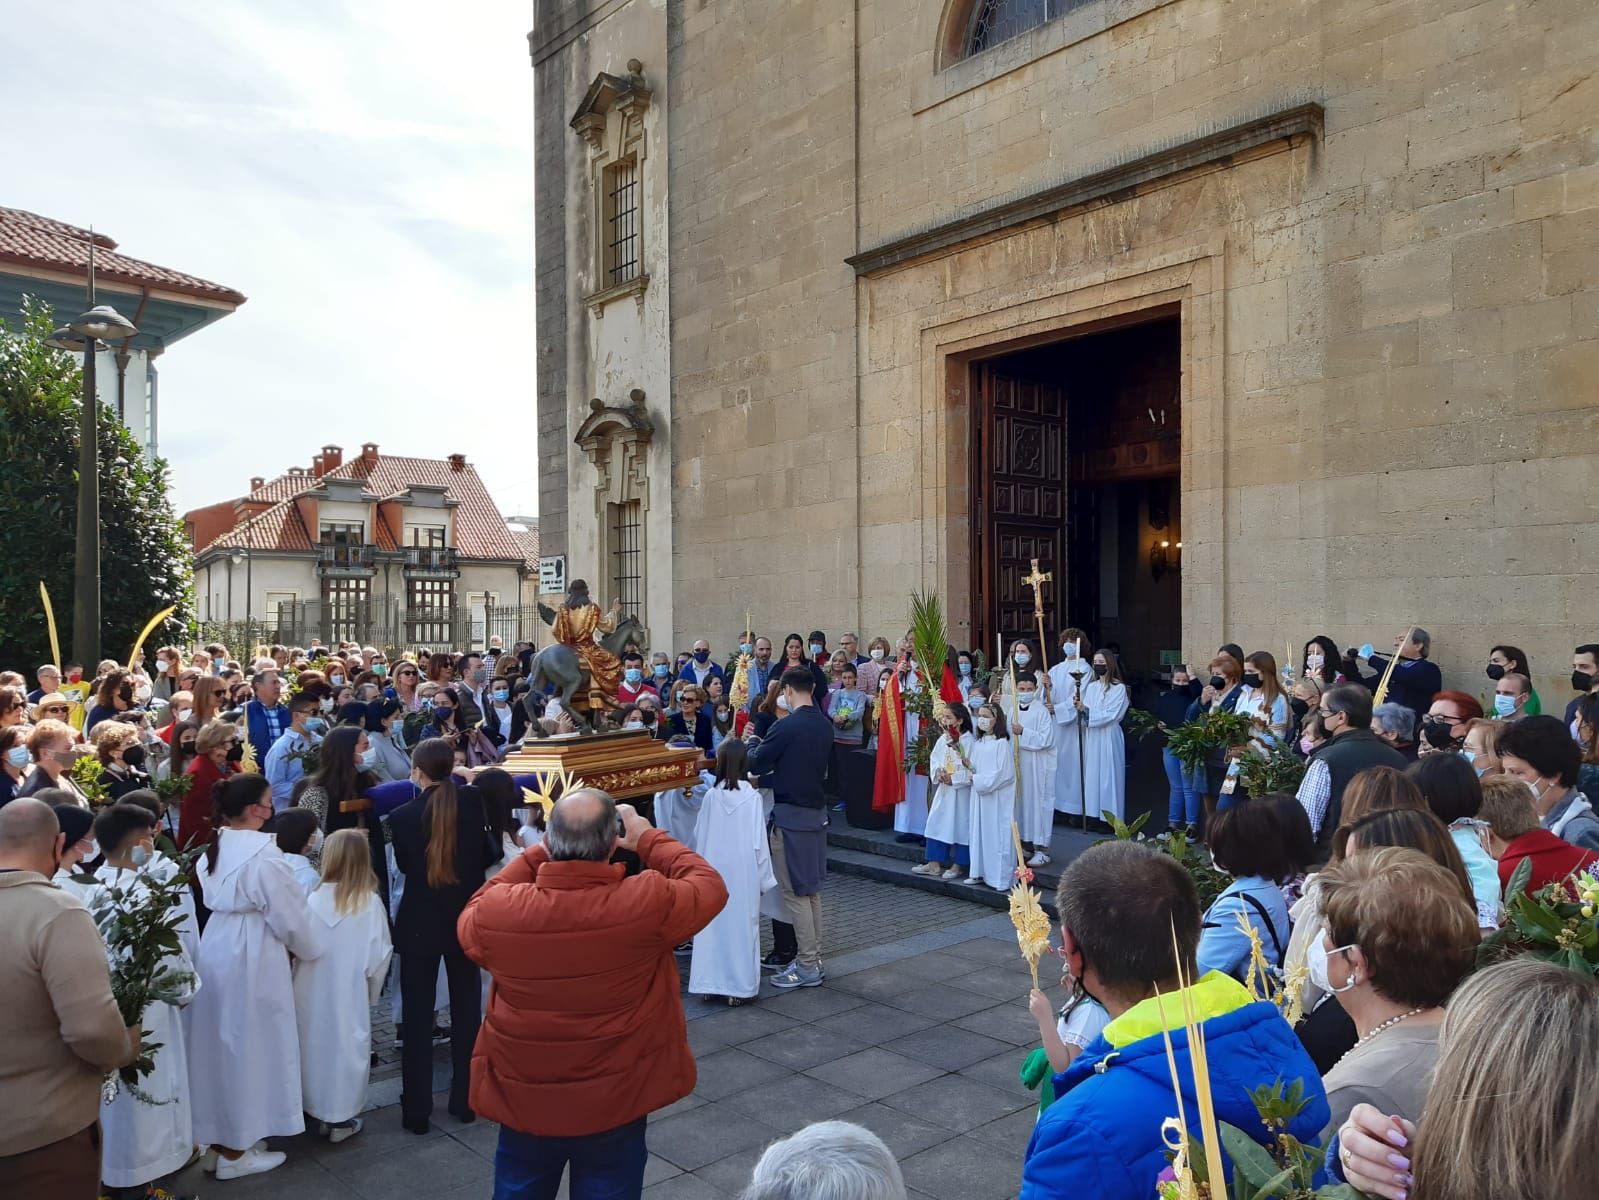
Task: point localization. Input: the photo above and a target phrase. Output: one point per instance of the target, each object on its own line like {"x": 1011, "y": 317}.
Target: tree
{"x": 145, "y": 560}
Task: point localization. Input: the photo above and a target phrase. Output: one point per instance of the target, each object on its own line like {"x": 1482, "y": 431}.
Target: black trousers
{"x": 419, "y": 973}
{"x": 785, "y": 944}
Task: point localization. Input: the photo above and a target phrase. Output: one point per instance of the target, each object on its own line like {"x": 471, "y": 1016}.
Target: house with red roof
{"x": 382, "y": 549}
{"x": 49, "y": 260}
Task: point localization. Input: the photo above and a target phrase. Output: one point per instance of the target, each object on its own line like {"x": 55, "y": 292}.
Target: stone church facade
{"x": 1251, "y": 319}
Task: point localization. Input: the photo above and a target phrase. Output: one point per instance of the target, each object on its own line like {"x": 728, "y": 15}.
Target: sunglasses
{"x": 54, "y": 708}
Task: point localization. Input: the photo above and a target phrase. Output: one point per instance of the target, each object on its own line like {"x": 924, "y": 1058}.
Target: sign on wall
{"x": 552, "y": 573}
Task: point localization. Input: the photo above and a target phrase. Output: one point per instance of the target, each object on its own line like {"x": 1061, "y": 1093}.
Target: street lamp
{"x": 100, "y": 323}
{"x": 238, "y": 556}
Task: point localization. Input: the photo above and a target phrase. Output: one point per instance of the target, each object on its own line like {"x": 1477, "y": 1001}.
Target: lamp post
{"x": 242, "y": 554}
{"x": 100, "y": 323}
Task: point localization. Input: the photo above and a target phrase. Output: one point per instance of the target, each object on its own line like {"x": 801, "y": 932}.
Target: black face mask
{"x": 1099, "y": 670}
{"x": 1300, "y": 707}
{"x": 133, "y": 756}
{"x": 1217, "y": 682}
{"x": 236, "y": 754}
{"x": 1581, "y": 681}
{"x": 1495, "y": 672}
{"x": 1437, "y": 734}
{"x": 1251, "y": 679}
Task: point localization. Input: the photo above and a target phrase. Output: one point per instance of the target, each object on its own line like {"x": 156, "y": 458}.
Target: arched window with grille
{"x": 974, "y": 26}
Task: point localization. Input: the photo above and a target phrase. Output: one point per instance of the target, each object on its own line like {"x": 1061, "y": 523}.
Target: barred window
{"x": 621, "y": 223}
{"x": 344, "y": 600}
{"x": 627, "y": 567}
{"x": 431, "y": 611}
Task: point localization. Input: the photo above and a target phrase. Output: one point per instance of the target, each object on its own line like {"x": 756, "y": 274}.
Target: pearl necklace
{"x": 1388, "y": 1024}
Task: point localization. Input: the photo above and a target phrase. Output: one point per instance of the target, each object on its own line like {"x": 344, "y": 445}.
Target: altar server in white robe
{"x": 244, "y": 1045}
{"x": 1069, "y": 784}
{"x": 677, "y": 810}
{"x": 993, "y": 802}
{"x": 949, "y": 819}
{"x": 334, "y": 992}
{"x": 1104, "y": 704}
{"x": 1036, "y": 733}
{"x": 731, "y": 836}
{"x": 910, "y": 814}
{"x": 141, "y": 1141}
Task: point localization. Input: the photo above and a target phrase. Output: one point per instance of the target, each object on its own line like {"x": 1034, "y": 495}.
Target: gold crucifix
{"x": 1036, "y": 581}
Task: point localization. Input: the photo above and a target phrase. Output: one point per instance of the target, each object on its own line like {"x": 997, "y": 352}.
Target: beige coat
{"x": 63, "y": 1031}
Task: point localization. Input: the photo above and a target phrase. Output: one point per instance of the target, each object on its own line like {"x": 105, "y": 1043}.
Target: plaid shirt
{"x": 1315, "y": 792}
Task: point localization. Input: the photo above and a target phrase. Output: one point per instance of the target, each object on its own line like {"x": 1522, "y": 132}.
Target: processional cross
{"x": 1036, "y": 581}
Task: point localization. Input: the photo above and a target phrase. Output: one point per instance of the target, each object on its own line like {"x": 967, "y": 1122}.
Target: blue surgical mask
{"x": 633, "y": 675}
{"x": 18, "y": 756}
{"x": 316, "y": 725}
{"x": 1023, "y": 658}
{"x": 746, "y": 648}
{"x": 661, "y": 670}
{"x": 369, "y": 758}
{"x": 501, "y": 695}
{"x": 1504, "y": 705}
{"x": 140, "y": 856}
{"x": 966, "y": 668}
{"x": 816, "y": 648}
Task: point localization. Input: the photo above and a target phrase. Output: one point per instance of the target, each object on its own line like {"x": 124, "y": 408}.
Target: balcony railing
{"x": 430, "y": 558}
{"x": 339, "y": 556}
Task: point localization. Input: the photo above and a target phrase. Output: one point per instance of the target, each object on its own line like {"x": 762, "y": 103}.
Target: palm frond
{"x": 929, "y": 636}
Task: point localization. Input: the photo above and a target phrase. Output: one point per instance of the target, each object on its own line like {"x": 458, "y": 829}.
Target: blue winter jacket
{"x": 1101, "y": 1138}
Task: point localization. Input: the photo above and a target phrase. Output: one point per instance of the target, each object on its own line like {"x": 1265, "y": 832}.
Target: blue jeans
{"x": 605, "y": 1166}
{"x": 1186, "y": 787}
{"x": 943, "y": 852}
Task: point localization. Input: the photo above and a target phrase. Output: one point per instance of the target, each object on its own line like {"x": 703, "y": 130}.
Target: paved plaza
{"x": 917, "y": 1034}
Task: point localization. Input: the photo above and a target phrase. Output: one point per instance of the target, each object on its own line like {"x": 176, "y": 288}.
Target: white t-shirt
{"x": 1085, "y": 1022}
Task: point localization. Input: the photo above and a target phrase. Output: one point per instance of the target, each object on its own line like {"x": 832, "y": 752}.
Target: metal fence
{"x": 387, "y": 623}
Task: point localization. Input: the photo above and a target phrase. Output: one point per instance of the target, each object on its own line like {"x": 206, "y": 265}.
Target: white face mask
{"x": 1316, "y": 958}
{"x": 327, "y": 704}
{"x": 986, "y": 724}
{"x": 1314, "y": 662}
{"x": 161, "y": 667}
{"x": 183, "y": 714}
{"x": 369, "y": 757}
{"x": 782, "y": 704}
{"x": 877, "y": 654}
{"x": 315, "y": 843}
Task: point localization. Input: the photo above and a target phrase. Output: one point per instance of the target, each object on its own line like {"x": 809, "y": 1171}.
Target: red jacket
{"x": 194, "y": 818}
{"x": 1552, "y": 859}
{"x": 584, "y": 1030}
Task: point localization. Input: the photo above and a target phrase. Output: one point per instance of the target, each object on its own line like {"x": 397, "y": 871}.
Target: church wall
{"x": 1390, "y": 351}
{"x": 584, "y": 354}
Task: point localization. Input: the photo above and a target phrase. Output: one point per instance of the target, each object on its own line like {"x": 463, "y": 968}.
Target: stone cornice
{"x": 1218, "y": 147}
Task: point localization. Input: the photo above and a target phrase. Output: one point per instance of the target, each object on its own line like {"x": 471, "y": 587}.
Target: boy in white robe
{"x": 731, "y": 836}
{"x": 1035, "y": 733}
{"x": 142, "y": 1141}
{"x": 1104, "y": 704}
{"x": 1070, "y": 792}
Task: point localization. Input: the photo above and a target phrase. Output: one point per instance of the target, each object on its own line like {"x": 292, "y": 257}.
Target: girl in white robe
{"x": 1069, "y": 782}
{"x": 334, "y": 992}
{"x": 1036, "y": 735}
{"x": 993, "y": 802}
{"x": 949, "y": 820}
{"x": 142, "y": 1142}
{"x": 1104, "y": 750}
{"x": 731, "y": 836}
{"x": 910, "y": 814}
{"x": 244, "y": 1046}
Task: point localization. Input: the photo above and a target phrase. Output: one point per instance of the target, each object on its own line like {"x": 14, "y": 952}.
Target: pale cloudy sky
{"x": 361, "y": 170}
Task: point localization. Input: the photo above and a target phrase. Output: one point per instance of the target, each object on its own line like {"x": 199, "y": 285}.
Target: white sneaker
{"x": 343, "y": 1133}
{"x": 209, "y": 1160}
{"x": 928, "y": 868}
{"x": 972, "y": 880}
{"x": 251, "y": 1162}
{"x": 954, "y": 872}
{"x": 1039, "y": 859}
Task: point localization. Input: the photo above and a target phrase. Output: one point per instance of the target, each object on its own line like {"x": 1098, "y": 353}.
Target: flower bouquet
{"x": 1558, "y": 923}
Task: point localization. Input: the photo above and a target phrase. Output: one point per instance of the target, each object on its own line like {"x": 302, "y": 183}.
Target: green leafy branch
{"x": 1189, "y": 855}
{"x": 1557, "y": 923}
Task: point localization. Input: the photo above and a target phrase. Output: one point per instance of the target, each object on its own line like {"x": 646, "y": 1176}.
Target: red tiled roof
{"x": 528, "y": 539}
{"x": 480, "y": 530}
{"x": 37, "y": 241}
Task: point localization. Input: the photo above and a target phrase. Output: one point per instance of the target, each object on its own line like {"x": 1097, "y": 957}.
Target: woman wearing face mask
{"x": 121, "y": 756}
{"x": 1539, "y": 752}
{"x": 504, "y": 721}
{"x": 990, "y": 846}
{"x": 721, "y": 724}
{"x": 879, "y": 656}
{"x": 1587, "y": 723}
{"x": 1321, "y": 660}
{"x": 1512, "y": 660}
{"x": 15, "y": 761}
{"x": 1454, "y": 795}
{"x": 1397, "y": 944}
{"x": 343, "y": 777}
{"x": 180, "y": 709}
{"x": 442, "y": 719}
{"x": 167, "y": 665}
{"x": 1103, "y": 705}
{"x": 1303, "y": 702}
{"x": 1262, "y": 700}
{"x": 217, "y": 753}
{"x": 114, "y": 697}
{"x": 389, "y": 762}
{"x": 965, "y": 674}
{"x": 51, "y": 745}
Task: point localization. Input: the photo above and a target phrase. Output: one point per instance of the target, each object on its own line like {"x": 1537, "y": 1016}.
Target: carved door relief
{"x": 1019, "y": 464}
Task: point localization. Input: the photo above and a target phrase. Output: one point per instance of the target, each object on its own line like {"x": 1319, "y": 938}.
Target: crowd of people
{"x": 349, "y": 829}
